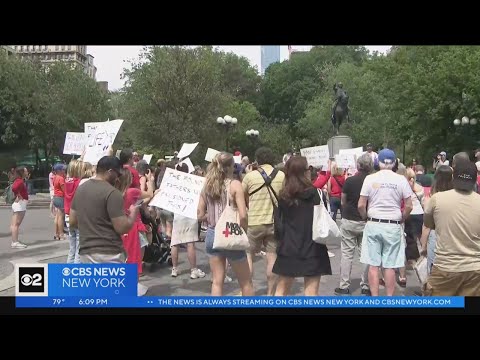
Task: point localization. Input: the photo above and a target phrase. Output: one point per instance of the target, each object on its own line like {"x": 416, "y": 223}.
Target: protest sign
{"x": 179, "y": 193}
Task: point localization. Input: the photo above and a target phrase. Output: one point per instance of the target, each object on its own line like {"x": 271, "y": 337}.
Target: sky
{"x": 111, "y": 60}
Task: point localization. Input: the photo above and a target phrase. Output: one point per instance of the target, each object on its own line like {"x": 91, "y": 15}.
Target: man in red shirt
{"x": 126, "y": 159}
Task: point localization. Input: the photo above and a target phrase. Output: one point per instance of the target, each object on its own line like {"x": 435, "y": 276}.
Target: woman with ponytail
{"x": 219, "y": 187}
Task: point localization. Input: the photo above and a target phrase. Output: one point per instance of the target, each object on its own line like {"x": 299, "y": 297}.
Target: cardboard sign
{"x": 148, "y": 158}
{"x": 100, "y": 136}
{"x": 188, "y": 162}
{"x": 186, "y": 150}
{"x": 179, "y": 193}
{"x": 211, "y": 153}
{"x": 317, "y": 156}
{"x": 345, "y": 161}
{"x": 238, "y": 159}
{"x": 74, "y": 143}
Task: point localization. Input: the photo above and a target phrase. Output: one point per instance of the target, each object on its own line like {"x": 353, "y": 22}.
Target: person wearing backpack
{"x": 261, "y": 185}
{"x": 19, "y": 202}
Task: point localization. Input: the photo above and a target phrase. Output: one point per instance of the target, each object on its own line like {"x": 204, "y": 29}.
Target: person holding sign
{"x": 334, "y": 188}
{"x": 220, "y": 188}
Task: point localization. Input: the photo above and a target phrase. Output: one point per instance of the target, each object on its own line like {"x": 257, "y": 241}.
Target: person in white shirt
{"x": 382, "y": 244}
{"x": 440, "y": 160}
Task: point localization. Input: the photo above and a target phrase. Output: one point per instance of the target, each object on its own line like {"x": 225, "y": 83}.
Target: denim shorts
{"x": 231, "y": 255}
{"x": 58, "y": 202}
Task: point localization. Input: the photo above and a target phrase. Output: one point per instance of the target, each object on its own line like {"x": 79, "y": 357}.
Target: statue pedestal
{"x": 337, "y": 143}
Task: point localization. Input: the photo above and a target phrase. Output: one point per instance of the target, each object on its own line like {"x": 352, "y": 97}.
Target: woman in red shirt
{"x": 59, "y": 200}
{"x": 19, "y": 206}
{"x": 334, "y": 188}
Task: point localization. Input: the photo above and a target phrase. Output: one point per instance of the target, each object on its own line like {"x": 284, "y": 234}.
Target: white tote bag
{"x": 324, "y": 228}
{"x": 229, "y": 235}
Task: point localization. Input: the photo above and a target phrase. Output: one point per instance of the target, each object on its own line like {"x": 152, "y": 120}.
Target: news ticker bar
{"x": 239, "y": 302}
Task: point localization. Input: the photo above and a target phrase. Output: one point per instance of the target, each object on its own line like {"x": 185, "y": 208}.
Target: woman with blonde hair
{"x": 218, "y": 189}
{"x": 334, "y": 188}
{"x": 72, "y": 181}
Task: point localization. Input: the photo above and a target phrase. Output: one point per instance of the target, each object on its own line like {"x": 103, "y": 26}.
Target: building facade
{"x": 270, "y": 55}
{"x": 9, "y": 50}
{"x": 47, "y": 54}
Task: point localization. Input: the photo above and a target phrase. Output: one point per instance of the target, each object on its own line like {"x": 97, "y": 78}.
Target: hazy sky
{"x": 111, "y": 60}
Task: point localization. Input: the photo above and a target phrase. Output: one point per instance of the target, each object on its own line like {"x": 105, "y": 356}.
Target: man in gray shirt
{"x": 97, "y": 211}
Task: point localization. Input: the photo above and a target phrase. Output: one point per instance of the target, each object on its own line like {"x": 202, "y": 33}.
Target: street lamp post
{"x": 465, "y": 123}
{"x": 227, "y": 122}
{"x": 253, "y": 135}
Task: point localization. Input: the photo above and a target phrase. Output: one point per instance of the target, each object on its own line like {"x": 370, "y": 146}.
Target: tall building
{"x": 9, "y": 50}
{"x": 270, "y": 55}
{"x": 47, "y": 54}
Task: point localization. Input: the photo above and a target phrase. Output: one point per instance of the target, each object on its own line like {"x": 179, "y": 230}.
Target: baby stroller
{"x": 158, "y": 251}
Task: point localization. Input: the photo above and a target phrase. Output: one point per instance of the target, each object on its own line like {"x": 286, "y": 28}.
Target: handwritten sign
{"x": 317, "y": 156}
{"x": 74, "y": 143}
{"x": 100, "y": 136}
{"x": 179, "y": 193}
{"x": 186, "y": 150}
{"x": 211, "y": 153}
{"x": 345, "y": 161}
{"x": 148, "y": 158}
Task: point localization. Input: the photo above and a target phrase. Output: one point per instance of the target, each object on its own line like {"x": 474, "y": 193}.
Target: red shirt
{"x": 71, "y": 186}
{"x": 58, "y": 181}
{"x": 19, "y": 189}
{"x": 135, "y": 176}
{"x": 336, "y": 185}
{"x": 130, "y": 198}
{"x": 321, "y": 179}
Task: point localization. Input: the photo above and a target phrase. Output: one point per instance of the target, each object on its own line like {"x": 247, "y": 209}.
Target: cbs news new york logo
{"x": 31, "y": 279}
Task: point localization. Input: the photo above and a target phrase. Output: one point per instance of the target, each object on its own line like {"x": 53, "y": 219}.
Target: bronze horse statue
{"x": 340, "y": 109}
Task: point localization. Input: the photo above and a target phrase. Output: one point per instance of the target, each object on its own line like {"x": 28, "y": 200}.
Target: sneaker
{"x": 174, "y": 272}
{"x": 366, "y": 292}
{"x": 330, "y": 254}
{"x": 340, "y": 292}
{"x": 141, "y": 289}
{"x": 18, "y": 245}
{"x": 196, "y": 273}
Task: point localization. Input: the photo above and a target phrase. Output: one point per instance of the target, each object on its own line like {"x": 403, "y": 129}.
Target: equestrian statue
{"x": 340, "y": 109}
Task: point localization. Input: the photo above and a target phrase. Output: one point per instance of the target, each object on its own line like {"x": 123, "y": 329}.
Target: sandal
{"x": 402, "y": 282}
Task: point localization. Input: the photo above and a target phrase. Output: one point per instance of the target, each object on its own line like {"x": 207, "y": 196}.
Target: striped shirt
{"x": 260, "y": 211}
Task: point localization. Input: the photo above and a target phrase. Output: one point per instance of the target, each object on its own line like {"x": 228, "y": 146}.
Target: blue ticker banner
{"x": 240, "y": 302}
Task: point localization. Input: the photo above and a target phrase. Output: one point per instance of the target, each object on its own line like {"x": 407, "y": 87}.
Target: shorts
{"x": 58, "y": 202}
{"x": 19, "y": 206}
{"x": 97, "y": 258}
{"x": 383, "y": 245}
{"x": 261, "y": 236}
{"x": 230, "y": 255}
{"x": 143, "y": 239}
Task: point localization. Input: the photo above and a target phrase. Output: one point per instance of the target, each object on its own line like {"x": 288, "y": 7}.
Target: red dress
{"x": 131, "y": 240}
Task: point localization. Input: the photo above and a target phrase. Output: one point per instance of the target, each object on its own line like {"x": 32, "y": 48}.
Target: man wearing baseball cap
{"x": 382, "y": 243}
{"x": 440, "y": 160}
{"x": 454, "y": 215}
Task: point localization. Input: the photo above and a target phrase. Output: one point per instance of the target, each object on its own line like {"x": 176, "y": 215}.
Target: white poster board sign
{"x": 169, "y": 157}
{"x": 345, "y": 161}
{"x": 186, "y": 150}
{"x": 238, "y": 159}
{"x": 317, "y": 156}
{"x": 179, "y": 193}
{"x": 74, "y": 143}
{"x": 100, "y": 136}
{"x": 211, "y": 153}
{"x": 148, "y": 158}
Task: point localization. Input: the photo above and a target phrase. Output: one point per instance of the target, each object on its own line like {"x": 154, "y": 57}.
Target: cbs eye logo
{"x": 31, "y": 280}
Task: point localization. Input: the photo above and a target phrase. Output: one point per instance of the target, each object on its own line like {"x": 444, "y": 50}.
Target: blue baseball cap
{"x": 387, "y": 156}
{"x": 59, "y": 167}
